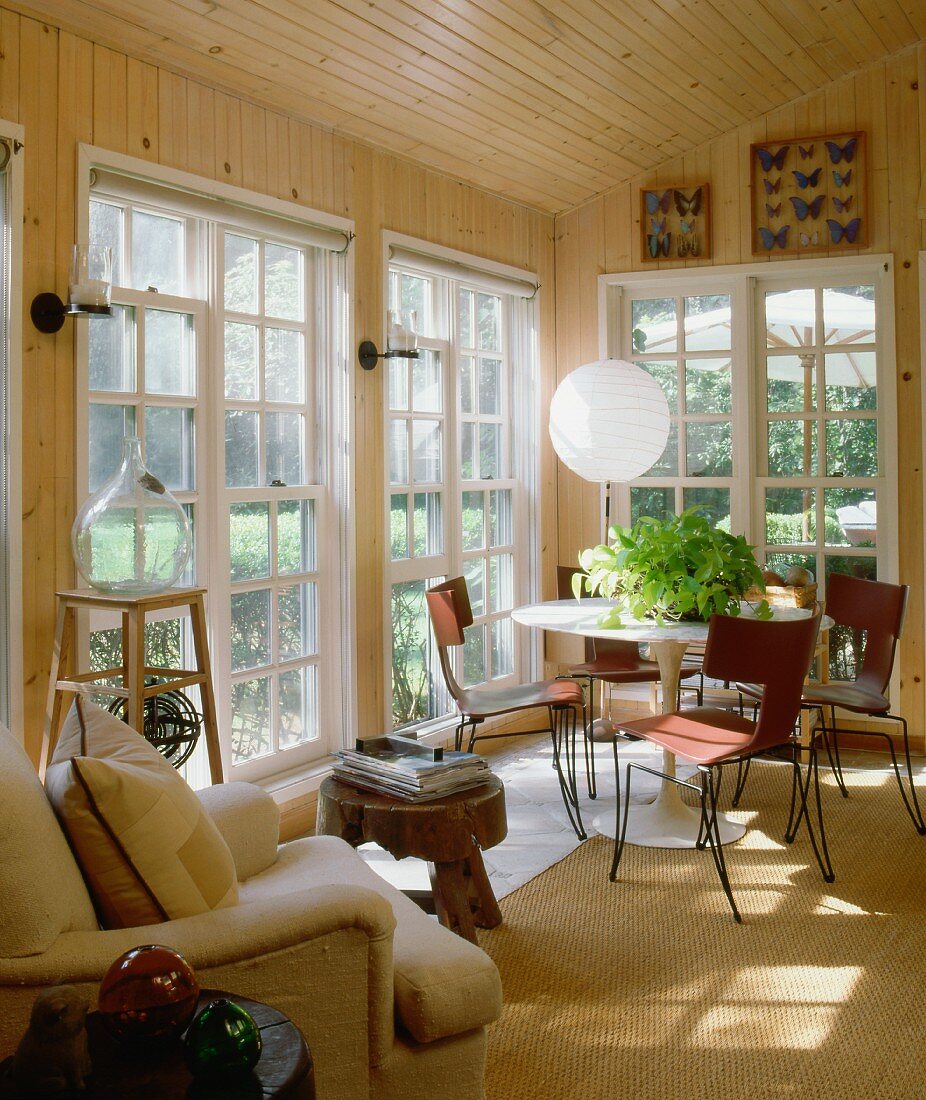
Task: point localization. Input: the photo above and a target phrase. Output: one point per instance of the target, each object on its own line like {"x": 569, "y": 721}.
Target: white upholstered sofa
{"x": 391, "y": 1003}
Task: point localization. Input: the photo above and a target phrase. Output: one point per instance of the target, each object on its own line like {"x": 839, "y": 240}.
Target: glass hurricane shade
{"x": 131, "y": 536}
{"x": 90, "y": 277}
{"x": 609, "y": 421}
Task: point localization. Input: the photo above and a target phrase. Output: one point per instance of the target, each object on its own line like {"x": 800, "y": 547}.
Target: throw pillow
{"x": 148, "y": 850}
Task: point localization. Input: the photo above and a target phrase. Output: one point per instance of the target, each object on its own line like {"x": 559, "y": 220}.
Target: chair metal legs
{"x": 911, "y": 802}
{"x": 708, "y": 791}
{"x": 707, "y": 794}
{"x": 563, "y": 722}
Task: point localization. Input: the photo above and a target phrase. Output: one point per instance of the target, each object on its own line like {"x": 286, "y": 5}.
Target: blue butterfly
{"x": 842, "y": 205}
{"x": 686, "y": 226}
{"x": 773, "y": 211}
{"x": 658, "y": 227}
{"x": 772, "y": 188}
{"x": 849, "y": 230}
{"x": 840, "y": 179}
{"x": 807, "y": 181}
{"x": 805, "y": 152}
{"x": 847, "y": 152}
{"x": 656, "y": 245}
{"x": 770, "y": 239}
{"x": 656, "y": 202}
{"x": 777, "y": 159}
{"x": 813, "y": 208}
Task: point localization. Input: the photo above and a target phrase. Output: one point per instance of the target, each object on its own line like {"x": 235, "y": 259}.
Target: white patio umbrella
{"x": 791, "y": 316}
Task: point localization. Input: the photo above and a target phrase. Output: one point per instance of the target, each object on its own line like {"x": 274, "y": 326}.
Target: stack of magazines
{"x": 402, "y": 768}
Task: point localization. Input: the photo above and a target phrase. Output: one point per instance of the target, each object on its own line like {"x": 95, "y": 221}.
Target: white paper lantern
{"x": 609, "y": 421}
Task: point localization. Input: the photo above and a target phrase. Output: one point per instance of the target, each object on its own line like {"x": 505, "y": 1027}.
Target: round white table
{"x": 666, "y": 822}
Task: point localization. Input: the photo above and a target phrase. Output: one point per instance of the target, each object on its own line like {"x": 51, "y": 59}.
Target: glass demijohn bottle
{"x": 131, "y": 537}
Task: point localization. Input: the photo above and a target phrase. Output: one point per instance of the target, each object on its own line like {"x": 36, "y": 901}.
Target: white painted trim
{"x": 707, "y": 275}
{"x": 14, "y": 440}
{"x": 476, "y": 264}
{"x": 92, "y": 156}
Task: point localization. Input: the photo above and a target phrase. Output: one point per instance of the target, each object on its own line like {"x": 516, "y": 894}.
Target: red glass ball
{"x": 149, "y": 993}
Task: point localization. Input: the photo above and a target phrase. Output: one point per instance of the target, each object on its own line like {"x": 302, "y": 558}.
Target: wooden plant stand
{"x": 66, "y": 680}
{"x": 448, "y": 832}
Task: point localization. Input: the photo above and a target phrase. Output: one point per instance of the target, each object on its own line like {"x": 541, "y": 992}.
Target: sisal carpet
{"x": 645, "y": 988}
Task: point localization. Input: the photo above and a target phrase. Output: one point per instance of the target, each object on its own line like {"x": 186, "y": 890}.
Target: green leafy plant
{"x": 674, "y": 569}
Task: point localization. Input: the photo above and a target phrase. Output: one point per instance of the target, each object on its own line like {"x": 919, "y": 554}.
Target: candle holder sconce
{"x": 89, "y": 290}
{"x": 401, "y": 340}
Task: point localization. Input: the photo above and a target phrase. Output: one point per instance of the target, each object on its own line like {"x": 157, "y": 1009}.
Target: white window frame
{"x": 460, "y": 269}
{"x": 14, "y": 137}
{"x": 743, "y": 279}
{"x": 292, "y": 770}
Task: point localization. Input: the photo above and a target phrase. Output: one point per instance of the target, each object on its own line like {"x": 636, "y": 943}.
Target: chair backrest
{"x": 615, "y": 651}
{"x": 450, "y": 612}
{"x": 876, "y": 607}
{"x": 776, "y": 654}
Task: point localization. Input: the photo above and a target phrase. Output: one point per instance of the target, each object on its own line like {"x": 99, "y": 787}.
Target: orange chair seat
{"x": 485, "y": 701}
{"x": 605, "y": 668}
{"x": 847, "y": 696}
{"x": 705, "y": 735}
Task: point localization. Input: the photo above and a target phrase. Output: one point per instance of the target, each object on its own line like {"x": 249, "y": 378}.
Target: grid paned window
{"x": 213, "y": 357}
{"x": 811, "y": 490}
{"x": 455, "y": 490}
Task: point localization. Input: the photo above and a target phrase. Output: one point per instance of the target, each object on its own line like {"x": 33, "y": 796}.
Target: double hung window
{"x": 781, "y": 395}
{"x": 459, "y": 422}
{"x": 224, "y": 356}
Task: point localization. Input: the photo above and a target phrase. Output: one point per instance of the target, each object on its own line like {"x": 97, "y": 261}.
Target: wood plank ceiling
{"x": 546, "y": 103}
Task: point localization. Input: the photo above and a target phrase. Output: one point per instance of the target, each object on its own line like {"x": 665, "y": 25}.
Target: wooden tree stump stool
{"x": 448, "y": 832}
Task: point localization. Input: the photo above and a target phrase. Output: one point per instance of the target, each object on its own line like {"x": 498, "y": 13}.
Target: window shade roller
{"x": 200, "y": 204}
{"x": 485, "y": 279}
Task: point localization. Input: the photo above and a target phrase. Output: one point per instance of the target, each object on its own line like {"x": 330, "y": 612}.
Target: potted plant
{"x": 671, "y": 570}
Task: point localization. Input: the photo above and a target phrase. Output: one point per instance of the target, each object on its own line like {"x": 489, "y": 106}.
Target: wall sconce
{"x": 89, "y": 289}
{"x": 401, "y": 341}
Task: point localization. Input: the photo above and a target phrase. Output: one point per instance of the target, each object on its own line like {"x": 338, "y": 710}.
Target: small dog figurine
{"x": 52, "y": 1056}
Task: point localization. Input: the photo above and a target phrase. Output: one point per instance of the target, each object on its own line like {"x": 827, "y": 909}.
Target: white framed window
{"x": 460, "y": 475}
{"x": 227, "y": 356}
{"x": 805, "y": 451}
{"x": 12, "y": 154}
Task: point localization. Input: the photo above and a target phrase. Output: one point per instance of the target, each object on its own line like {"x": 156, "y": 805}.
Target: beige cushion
{"x": 148, "y": 850}
{"x": 41, "y": 891}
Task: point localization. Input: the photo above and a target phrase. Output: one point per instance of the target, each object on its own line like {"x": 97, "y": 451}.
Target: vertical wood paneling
{"x": 887, "y": 101}
{"x": 66, "y": 90}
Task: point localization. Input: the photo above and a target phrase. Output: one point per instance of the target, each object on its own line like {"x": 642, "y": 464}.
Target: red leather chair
{"x": 609, "y": 661}
{"x": 878, "y": 609}
{"x": 775, "y": 654}
{"x": 450, "y": 612}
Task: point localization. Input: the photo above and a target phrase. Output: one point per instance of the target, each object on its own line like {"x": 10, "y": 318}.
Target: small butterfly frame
{"x": 809, "y": 194}
{"x": 675, "y": 223}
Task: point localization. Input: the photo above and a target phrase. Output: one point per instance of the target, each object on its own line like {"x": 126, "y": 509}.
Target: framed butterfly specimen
{"x": 675, "y": 223}
{"x": 809, "y": 194}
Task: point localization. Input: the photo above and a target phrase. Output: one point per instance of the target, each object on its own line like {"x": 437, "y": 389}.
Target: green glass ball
{"x": 223, "y": 1039}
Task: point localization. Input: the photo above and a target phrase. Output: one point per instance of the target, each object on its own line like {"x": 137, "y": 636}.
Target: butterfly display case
{"x": 675, "y": 223}
{"x": 809, "y": 194}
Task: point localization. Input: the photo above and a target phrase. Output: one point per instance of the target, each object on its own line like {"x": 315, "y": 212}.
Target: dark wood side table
{"x": 122, "y": 1072}
{"x": 448, "y": 832}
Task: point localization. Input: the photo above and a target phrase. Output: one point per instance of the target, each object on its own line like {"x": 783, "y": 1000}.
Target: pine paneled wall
{"x": 65, "y": 90}
{"x": 888, "y": 101}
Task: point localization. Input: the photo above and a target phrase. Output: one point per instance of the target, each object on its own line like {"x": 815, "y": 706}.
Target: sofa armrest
{"x": 322, "y": 955}
{"x": 217, "y": 938}
{"x": 249, "y": 820}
